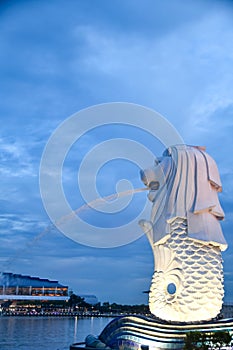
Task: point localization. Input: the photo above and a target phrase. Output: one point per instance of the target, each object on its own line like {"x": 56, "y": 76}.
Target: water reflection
{"x": 51, "y": 333}
{"x": 75, "y": 327}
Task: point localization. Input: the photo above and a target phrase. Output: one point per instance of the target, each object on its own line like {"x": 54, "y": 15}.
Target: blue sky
{"x": 58, "y": 57}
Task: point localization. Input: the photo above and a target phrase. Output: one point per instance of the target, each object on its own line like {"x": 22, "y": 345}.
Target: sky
{"x": 58, "y": 58}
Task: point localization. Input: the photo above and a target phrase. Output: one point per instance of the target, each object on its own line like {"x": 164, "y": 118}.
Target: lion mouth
{"x": 153, "y": 185}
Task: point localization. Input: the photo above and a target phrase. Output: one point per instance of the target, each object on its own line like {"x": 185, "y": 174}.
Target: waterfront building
{"x": 24, "y": 287}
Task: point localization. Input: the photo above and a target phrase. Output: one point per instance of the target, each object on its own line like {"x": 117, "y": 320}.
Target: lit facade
{"x": 21, "y": 287}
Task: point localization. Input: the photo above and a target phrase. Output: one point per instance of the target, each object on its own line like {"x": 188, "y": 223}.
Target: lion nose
{"x": 146, "y": 179}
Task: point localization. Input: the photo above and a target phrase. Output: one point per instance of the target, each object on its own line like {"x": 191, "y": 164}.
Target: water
{"x": 52, "y": 333}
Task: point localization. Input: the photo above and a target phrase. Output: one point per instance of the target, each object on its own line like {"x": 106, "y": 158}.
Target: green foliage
{"x": 196, "y": 340}
{"x": 220, "y": 339}
{"x": 203, "y": 341}
{"x": 124, "y": 309}
{"x": 76, "y": 300}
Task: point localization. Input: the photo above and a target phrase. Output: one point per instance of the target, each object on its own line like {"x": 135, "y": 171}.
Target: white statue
{"x": 185, "y": 235}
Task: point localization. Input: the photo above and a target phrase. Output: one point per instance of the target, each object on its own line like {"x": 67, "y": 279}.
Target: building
{"x": 24, "y": 287}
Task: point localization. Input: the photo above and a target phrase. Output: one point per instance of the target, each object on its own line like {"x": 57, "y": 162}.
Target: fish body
{"x": 187, "y": 283}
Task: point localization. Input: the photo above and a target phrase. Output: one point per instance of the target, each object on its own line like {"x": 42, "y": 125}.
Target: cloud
{"x": 55, "y": 59}
{"x": 15, "y": 159}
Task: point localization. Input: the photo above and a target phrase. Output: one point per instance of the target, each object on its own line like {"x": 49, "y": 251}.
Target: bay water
{"x": 47, "y": 333}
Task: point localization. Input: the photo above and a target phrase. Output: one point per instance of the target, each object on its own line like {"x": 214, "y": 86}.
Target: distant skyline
{"x": 60, "y": 57}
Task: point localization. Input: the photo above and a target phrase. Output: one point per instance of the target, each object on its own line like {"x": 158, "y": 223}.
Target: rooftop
{"x": 8, "y": 279}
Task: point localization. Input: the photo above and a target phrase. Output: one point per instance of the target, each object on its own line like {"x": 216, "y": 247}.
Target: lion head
{"x": 184, "y": 182}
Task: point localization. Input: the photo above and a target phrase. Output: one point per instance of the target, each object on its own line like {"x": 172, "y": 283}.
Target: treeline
{"x": 76, "y": 302}
{"x": 205, "y": 341}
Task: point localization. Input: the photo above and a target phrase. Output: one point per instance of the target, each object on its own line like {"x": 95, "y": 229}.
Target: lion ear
{"x": 201, "y": 148}
{"x": 167, "y": 152}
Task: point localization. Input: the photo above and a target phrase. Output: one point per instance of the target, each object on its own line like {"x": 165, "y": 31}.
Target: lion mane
{"x": 189, "y": 184}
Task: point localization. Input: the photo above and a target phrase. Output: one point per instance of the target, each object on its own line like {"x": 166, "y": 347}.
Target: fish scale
{"x": 195, "y": 268}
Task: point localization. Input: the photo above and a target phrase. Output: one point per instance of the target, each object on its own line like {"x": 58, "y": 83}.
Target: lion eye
{"x": 157, "y": 161}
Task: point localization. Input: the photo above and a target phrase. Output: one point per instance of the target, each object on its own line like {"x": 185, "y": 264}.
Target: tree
{"x": 196, "y": 340}
{"x": 203, "y": 341}
{"x": 221, "y": 339}
{"x": 75, "y": 300}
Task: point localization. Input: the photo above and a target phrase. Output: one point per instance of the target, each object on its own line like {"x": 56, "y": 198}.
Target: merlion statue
{"x": 185, "y": 235}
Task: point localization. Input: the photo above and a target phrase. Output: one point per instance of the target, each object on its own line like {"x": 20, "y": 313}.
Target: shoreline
{"x": 63, "y": 314}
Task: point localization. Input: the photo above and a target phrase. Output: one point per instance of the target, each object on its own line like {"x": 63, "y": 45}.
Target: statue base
{"x": 138, "y": 332}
